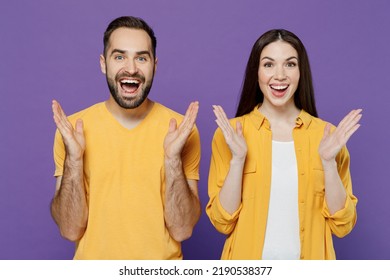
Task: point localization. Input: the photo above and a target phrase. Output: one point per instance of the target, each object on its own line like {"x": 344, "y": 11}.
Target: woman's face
{"x": 278, "y": 74}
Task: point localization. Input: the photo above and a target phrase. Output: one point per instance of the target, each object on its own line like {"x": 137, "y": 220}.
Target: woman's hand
{"x": 332, "y": 143}
{"x": 234, "y": 138}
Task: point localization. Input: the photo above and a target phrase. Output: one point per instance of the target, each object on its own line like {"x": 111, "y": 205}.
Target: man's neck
{"x": 129, "y": 118}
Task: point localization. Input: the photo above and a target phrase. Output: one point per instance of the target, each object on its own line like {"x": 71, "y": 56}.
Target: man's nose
{"x": 131, "y": 67}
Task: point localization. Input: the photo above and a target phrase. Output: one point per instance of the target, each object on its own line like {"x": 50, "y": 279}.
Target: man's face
{"x": 129, "y": 66}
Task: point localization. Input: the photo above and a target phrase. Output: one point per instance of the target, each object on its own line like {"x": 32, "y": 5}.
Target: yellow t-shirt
{"x": 124, "y": 179}
{"x": 245, "y": 229}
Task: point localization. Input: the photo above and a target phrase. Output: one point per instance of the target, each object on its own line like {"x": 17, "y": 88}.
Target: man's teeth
{"x": 279, "y": 87}
{"x": 130, "y": 82}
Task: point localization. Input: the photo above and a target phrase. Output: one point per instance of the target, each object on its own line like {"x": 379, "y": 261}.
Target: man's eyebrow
{"x": 118, "y": 51}
{"x": 124, "y": 52}
{"x": 143, "y": 52}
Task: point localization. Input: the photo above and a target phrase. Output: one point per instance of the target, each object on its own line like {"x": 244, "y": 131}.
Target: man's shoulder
{"x": 89, "y": 111}
{"x": 164, "y": 114}
{"x": 162, "y": 110}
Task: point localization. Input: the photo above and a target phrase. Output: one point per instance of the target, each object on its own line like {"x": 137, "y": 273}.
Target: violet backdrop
{"x": 50, "y": 50}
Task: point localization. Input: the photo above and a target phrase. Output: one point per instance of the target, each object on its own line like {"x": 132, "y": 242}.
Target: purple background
{"x": 50, "y": 50}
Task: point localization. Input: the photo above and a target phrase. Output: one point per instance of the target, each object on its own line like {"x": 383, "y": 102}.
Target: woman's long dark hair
{"x": 251, "y": 94}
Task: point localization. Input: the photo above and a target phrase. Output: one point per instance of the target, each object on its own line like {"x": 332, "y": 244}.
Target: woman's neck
{"x": 282, "y": 120}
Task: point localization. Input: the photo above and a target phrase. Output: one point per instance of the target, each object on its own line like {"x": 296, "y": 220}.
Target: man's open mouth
{"x": 130, "y": 85}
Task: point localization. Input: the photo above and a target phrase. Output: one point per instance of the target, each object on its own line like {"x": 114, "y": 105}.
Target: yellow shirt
{"x": 245, "y": 229}
{"x": 125, "y": 183}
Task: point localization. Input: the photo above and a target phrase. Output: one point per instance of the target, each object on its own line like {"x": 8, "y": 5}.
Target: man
{"x": 126, "y": 171}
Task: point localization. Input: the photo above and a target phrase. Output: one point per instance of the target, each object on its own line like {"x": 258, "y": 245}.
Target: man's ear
{"x": 102, "y": 64}
{"x": 155, "y": 64}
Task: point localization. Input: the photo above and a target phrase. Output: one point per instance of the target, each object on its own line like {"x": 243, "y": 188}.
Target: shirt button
{"x": 302, "y": 229}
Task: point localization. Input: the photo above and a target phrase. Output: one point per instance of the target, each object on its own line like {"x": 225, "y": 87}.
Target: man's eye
{"x": 119, "y": 57}
{"x": 141, "y": 59}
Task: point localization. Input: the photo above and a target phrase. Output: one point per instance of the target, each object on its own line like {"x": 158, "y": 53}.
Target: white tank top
{"x": 282, "y": 230}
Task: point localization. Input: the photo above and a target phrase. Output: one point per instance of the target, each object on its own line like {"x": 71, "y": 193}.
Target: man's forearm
{"x": 182, "y": 207}
{"x": 69, "y": 206}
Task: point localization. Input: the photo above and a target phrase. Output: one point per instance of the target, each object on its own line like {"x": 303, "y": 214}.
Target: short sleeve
{"x": 191, "y": 155}
{"x": 59, "y": 154}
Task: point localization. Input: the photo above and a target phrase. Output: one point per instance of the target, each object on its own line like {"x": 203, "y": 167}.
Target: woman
{"x": 279, "y": 181}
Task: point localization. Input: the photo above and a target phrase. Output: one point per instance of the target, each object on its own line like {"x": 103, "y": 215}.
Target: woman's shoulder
{"x": 314, "y": 122}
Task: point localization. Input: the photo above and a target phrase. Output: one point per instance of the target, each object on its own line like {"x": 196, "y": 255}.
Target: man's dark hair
{"x": 129, "y": 22}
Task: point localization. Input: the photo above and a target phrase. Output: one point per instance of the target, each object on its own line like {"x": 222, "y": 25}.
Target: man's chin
{"x": 129, "y": 100}
{"x": 130, "y": 103}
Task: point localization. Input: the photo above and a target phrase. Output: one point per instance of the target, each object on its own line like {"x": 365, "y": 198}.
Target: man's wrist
{"x": 74, "y": 160}
{"x": 172, "y": 161}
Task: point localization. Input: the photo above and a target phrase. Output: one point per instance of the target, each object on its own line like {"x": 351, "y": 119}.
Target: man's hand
{"x": 73, "y": 138}
{"x": 178, "y": 135}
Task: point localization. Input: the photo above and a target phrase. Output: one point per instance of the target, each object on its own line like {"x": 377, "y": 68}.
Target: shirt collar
{"x": 258, "y": 119}
{"x": 304, "y": 119}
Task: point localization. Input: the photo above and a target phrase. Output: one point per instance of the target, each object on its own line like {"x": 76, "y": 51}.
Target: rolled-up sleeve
{"x": 219, "y": 167}
{"x": 343, "y": 221}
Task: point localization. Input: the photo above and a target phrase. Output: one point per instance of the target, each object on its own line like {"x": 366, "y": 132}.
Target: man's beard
{"x": 129, "y": 102}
